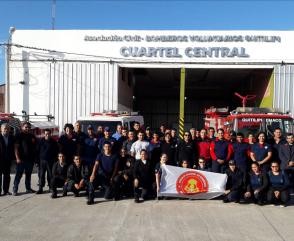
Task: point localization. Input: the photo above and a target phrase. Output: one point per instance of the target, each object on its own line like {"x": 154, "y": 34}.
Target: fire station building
{"x": 72, "y": 73}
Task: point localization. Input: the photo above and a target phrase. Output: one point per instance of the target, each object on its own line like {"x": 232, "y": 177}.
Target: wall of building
{"x": 65, "y": 90}
{"x": 284, "y": 88}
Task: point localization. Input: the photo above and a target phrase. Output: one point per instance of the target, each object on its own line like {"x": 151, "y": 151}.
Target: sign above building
{"x": 156, "y": 46}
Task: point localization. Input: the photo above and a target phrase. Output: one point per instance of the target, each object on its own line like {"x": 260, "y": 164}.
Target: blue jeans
{"x": 26, "y": 167}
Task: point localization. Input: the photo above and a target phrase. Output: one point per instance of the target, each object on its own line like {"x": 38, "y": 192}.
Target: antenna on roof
{"x": 53, "y": 14}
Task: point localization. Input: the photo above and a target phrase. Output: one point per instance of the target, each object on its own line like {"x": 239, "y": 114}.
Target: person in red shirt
{"x": 203, "y": 147}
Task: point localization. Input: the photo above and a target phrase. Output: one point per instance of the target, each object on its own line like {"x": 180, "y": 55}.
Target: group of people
{"x": 128, "y": 163}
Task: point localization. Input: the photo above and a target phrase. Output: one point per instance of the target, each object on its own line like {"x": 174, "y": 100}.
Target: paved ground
{"x": 38, "y": 218}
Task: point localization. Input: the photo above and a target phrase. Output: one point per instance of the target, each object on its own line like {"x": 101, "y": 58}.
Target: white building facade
{"x": 71, "y": 73}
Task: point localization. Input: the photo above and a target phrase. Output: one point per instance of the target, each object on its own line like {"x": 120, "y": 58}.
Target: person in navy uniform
{"x": 25, "y": 153}
{"x": 221, "y": 152}
{"x": 240, "y": 154}
{"x": 278, "y": 185}
{"x": 261, "y": 152}
{"x": 7, "y": 155}
{"x": 235, "y": 184}
{"x": 143, "y": 177}
{"x": 257, "y": 184}
{"x": 158, "y": 170}
{"x": 105, "y": 169}
{"x": 59, "y": 176}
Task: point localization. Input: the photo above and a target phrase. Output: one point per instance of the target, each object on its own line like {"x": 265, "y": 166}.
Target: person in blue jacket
{"x": 240, "y": 154}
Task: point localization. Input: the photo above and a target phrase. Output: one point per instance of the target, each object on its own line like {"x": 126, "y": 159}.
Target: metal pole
{"x": 182, "y": 103}
{"x": 53, "y": 13}
{"x": 7, "y": 73}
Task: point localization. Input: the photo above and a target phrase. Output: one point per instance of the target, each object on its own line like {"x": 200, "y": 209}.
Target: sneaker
{"x": 14, "y": 194}
{"x": 90, "y": 202}
{"x": 283, "y": 205}
{"x": 40, "y": 191}
{"x": 30, "y": 191}
{"x": 136, "y": 200}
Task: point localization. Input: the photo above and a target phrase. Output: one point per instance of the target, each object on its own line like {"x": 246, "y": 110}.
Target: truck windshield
{"x": 249, "y": 125}
{"x": 255, "y": 125}
{"x": 111, "y": 124}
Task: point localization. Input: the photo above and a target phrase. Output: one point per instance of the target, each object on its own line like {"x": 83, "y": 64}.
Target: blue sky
{"x": 136, "y": 14}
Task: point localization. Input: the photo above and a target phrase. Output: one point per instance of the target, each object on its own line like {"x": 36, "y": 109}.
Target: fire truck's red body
{"x": 248, "y": 120}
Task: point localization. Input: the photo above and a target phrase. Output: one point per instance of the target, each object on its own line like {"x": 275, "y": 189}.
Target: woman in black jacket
{"x": 257, "y": 183}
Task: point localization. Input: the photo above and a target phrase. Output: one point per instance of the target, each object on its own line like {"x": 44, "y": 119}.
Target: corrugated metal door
{"x": 284, "y": 88}
{"x": 77, "y": 89}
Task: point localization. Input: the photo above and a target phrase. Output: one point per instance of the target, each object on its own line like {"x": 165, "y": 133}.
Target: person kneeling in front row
{"x": 59, "y": 175}
{"x": 77, "y": 177}
{"x": 143, "y": 174}
{"x": 257, "y": 183}
{"x": 278, "y": 185}
{"x": 235, "y": 183}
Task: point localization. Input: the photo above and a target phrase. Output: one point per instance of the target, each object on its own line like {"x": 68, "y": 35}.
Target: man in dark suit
{"x": 7, "y": 155}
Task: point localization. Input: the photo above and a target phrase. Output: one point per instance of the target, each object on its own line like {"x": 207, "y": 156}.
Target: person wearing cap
{"x": 221, "y": 152}
{"x": 91, "y": 148}
{"x": 261, "y": 152}
{"x": 68, "y": 143}
{"x": 105, "y": 169}
{"x": 241, "y": 153}
{"x": 118, "y": 132}
{"x": 107, "y": 138}
{"x": 235, "y": 185}
{"x": 257, "y": 184}
{"x": 139, "y": 145}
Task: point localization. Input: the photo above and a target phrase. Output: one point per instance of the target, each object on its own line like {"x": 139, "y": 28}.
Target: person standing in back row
{"x": 25, "y": 153}
{"x": 47, "y": 154}
{"x": 7, "y": 147}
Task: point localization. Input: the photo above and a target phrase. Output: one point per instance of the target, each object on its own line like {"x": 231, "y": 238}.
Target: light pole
{"x": 7, "y": 71}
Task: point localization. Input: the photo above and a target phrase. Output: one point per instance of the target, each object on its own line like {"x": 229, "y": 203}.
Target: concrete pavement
{"x": 31, "y": 217}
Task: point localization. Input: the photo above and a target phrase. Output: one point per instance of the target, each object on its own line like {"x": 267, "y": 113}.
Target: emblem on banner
{"x": 192, "y": 182}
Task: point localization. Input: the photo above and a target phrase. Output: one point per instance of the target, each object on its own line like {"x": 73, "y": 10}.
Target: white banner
{"x": 191, "y": 183}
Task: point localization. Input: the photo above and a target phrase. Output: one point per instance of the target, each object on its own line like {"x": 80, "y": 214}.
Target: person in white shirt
{"x": 139, "y": 145}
